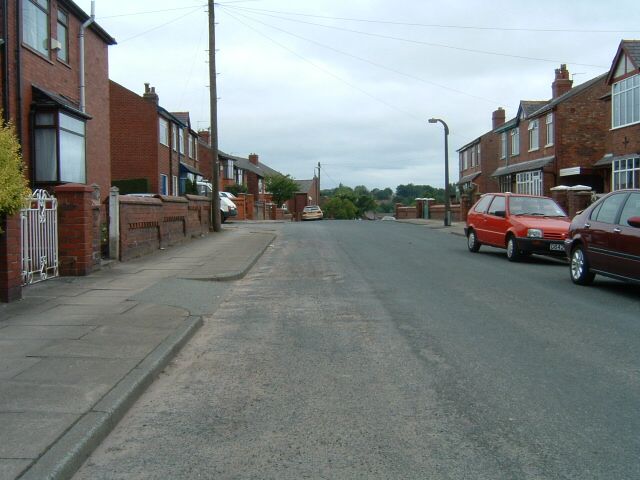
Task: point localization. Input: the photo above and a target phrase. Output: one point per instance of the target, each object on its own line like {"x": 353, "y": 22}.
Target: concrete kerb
{"x": 70, "y": 451}
{"x": 456, "y": 228}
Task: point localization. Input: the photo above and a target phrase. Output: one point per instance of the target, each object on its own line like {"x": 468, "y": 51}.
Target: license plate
{"x": 556, "y": 247}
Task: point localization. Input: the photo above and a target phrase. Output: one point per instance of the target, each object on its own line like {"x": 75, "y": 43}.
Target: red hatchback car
{"x": 523, "y": 224}
{"x": 605, "y": 239}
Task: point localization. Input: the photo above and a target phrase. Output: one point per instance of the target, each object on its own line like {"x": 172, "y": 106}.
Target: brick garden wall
{"x": 150, "y": 223}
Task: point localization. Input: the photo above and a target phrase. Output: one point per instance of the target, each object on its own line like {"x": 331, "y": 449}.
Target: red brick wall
{"x": 10, "y": 257}
{"x": 150, "y": 223}
{"x": 489, "y": 158}
{"x": 76, "y": 229}
{"x": 134, "y": 137}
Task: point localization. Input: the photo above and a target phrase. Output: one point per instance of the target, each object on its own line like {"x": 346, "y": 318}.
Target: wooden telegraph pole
{"x": 213, "y": 98}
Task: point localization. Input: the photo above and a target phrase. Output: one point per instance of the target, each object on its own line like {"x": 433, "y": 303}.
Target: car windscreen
{"x": 535, "y": 206}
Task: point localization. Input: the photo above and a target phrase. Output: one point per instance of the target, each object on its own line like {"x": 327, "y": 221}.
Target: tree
{"x": 365, "y": 203}
{"x": 340, "y": 208}
{"x": 15, "y": 187}
{"x": 281, "y": 187}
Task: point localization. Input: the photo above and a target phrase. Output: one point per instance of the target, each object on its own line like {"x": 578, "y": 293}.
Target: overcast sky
{"x": 351, "y": 84}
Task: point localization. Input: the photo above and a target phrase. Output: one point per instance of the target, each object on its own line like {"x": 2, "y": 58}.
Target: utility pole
{"x": 213, "y": 100}
{"x": 318, "y": 197}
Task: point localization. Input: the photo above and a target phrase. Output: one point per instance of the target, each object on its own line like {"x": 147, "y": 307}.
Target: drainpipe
{"x": 5, "y": 61}
{"x": 19, "y": 72}
{"x": 90, "y": 20}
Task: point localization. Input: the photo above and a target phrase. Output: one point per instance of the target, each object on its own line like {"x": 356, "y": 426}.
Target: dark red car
{"x": 605, "y": 239}
{"x": 523, "y": 224}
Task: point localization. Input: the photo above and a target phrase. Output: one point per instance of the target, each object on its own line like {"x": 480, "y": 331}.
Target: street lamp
{"x": 447, "y": 201}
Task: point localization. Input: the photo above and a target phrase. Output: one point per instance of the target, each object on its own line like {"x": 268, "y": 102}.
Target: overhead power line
{"x": 173, "y": 20}
{"x": 148, "y": 12}
{"x": 436, "y": 25}
{"x": 375, "y": 64}
{"x": 429, "y": 44}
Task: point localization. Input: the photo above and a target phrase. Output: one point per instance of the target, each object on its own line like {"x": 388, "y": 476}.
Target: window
{"x": 626, "y": 173}
{"x": 503, "y": 145}
{"x": 239, "y": 176}
{"x": 533, "y": 135}
{"x": 482, "y": 205}
{"x": 631, "y": 209}
{"x": 229, "y": 170}
{"x": 626, "y": 101}
{"x": 497, "y": 207}
{"x": 35, "y": 24}
{"x": 549, "y": 122}
{"x": 174, "y": 137}
{"x": 529, "y": 183}
{"x": 163, "y": 126}
{"x": 191, "y": 146}
{"x": 609, "y": 209}
{"x": 466, "y": 160}
{"x": 478, "y": 155}
{"x": 460, "y": 155}
{"x": 515, "y": 141}
{"x": 63, "y": 36}
{"x": 163, "y": 184}
{"x": 175, "y": 185}
{"x": 505, "y": 183}
{"x": 180, "y": 141}
{"x": 59, "y": 147}
{"x": 260, "y": 186}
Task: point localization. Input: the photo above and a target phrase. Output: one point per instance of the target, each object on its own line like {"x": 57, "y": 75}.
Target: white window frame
{"x": 32, "y": 33}
{"x": 515, "y": 141}
{"x": 181, "y": 141}
{"x": 625, "y": 102}
{"x": 191, "y": 138}
{"x": 550, "y": 129}
{"x": 477, "y": 155}
{"x": 529, "y": 183}
{"x": 174, "y": 137}
{"x": 503, "y": 145}
{"x": 163, "y": 131}
{"x": 534, "y": 135}
{"x": 62, "y": 34}
{"x": 625, "y": 173}
{"x": 466, "y": 160}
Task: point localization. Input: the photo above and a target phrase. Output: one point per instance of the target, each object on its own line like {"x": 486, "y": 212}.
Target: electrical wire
{"x": 435, "y": 25}
{"x": 429, "y": 44}
{"x": 375, "y": 64}
{"x": 193, "y": 62}
{"x": 324, "y": 70}
{"x": 160, "y": 26}
{"x": 150, "y": 12}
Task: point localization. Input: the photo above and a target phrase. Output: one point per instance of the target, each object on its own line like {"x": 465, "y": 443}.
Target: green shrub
{"x": 133, "y": 185}
{"x": 14, "y": 186}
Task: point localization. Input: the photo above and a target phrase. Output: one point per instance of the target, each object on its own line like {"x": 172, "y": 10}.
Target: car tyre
{"x": 513, "y": 254}
{"x": 223, "y": 217}
{"x": 579, "y": 267}
{"x": 472, "y": 241}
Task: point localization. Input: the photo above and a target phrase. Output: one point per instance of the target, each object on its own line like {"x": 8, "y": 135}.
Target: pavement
{"x": 77, "y": 352}
{"x": 456, "y": 228}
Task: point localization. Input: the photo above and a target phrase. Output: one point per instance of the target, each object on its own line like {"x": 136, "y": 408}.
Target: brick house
{"x": 61, "y": 116}
{"x": 479, "y": 158}
{"x": 307, "y": 194}
{"x": 555, "y": 142}
{"x": 152, "y": 149}
{"x": 620, "y": 166}
{"x": 254, "y": 172}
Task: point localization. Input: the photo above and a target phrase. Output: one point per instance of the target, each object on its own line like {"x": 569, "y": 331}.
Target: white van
{"x": 227, "y": 207}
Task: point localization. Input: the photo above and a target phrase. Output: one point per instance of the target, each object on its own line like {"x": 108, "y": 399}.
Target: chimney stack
{"x": 498, "y": 118}
{"x": 253, "y": 158}
{"x": 150, "y": 94}
{"x": 205, "y": 136}
{"x": 562, "y": 84}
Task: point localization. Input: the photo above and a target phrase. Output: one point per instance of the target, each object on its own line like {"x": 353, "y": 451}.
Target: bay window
{"x": 626, "y": 173}
{"x": 59, "y": 147}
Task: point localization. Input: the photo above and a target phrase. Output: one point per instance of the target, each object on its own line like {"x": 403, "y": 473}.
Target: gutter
{"x": 83, "y": 27}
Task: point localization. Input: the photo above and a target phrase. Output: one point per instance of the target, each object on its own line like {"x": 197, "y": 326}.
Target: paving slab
{"x": 28, "y": 434}
{"x": 11, "y": 468}
{"x": 19, "y": 332}
{"x": 10, "y": 367}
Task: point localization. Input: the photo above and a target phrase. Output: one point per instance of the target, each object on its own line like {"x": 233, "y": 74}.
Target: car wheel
{"x": 579, "y": 267}
{"x": 472, "y": 241}
{"x": 513, "y": 254}
{"x": 223, "y": 217}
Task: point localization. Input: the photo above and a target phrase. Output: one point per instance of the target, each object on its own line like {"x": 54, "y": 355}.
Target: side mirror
{"x": 634, "y": 221}
{"x": 500, "y": 213}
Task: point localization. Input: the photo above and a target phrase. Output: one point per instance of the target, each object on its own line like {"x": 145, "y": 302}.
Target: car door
{"x": 603, "y": 235}
{"x": 478, "y": 218}
{"x": 496, "y": 223}
{"x": 628, "y": 239}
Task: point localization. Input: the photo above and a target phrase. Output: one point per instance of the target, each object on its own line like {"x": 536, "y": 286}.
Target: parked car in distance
{"x": 312, "y": 212}
{"x": 605, "y": 239}
{"x": 227, "y": 207}
{"x": 523, "y": 224}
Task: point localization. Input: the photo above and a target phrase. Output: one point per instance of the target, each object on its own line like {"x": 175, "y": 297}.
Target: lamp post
{"x": 447, "y": 200}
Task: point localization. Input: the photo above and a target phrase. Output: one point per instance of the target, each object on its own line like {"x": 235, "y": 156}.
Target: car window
{"x": 595, "y": 211}
{"x": 631, "y": 208}
{"x": 482, "y": 205}
{"x": 498, "y": 205}
{"x": 534, "y": 206}
{"x": 610, "y": 208}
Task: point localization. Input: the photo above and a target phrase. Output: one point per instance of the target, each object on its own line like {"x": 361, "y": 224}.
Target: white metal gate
{"x": 39, "y": 238}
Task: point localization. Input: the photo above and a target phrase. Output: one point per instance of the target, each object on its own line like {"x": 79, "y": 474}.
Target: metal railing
{"x": 39, "y": 238}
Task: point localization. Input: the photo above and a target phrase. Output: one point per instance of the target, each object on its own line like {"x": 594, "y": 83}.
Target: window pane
{"x": 45, "y": 146}
{"x": 609, "y": 209}
{"x": 70, "y": 123}
{"x": 498, "y": 205}
{"x": 45, "y": 119}
{"x": 35, "y": 26}
{"x": 72, "y": 157}
{"x": 631, "y": 208}
{"x": 63, "y": 54}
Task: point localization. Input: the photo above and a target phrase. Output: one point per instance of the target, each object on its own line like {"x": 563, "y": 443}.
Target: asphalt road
{"x": 384, "y": 350}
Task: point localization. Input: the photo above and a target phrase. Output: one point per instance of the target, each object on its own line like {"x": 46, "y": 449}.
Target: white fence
{"x": 39, "y": 234}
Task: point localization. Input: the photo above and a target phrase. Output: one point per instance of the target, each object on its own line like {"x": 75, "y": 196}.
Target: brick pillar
{"x": 559, "y": 194}
{"x": 10, "y": 259}
{"x": 465, "y": 205}
{"x": 428, "y": 204}
{"x": 75, "y": 229}
{"x": 420, "y": 207}
{"x": 578, "y": 201}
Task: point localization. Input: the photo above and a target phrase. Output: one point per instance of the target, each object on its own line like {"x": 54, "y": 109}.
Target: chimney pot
{"x": 562, "y": 83}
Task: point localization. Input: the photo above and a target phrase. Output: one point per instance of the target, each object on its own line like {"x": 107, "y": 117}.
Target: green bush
{"x": 236, "y": 189}
{"x": 14, "y": 184}
{"x": 340, "y": 209}
{"x": 133, "y": 185}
